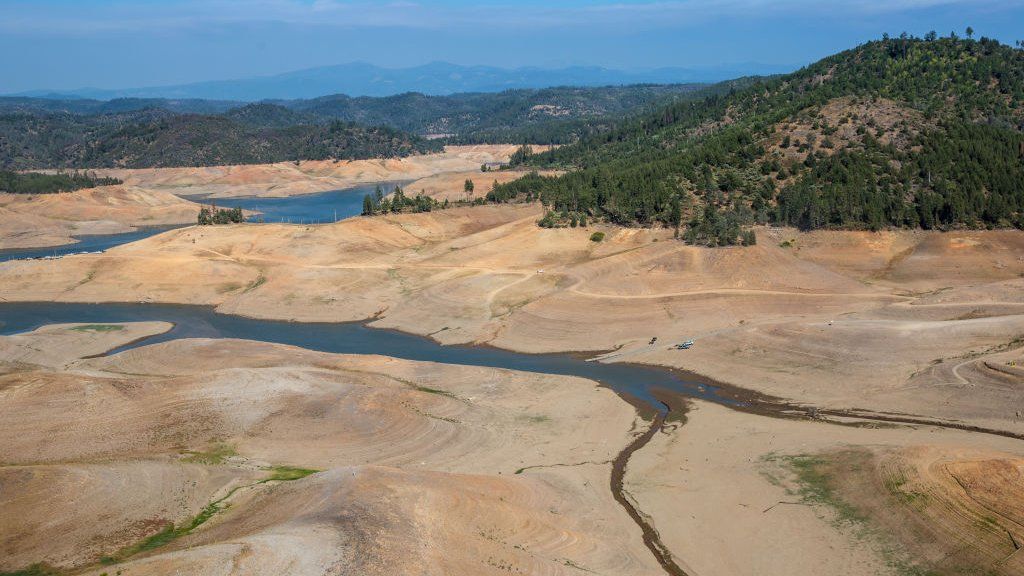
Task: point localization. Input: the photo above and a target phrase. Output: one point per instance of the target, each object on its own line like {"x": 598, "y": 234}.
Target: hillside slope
{"x": 52, "y": 132}
{"x": 898, "y": 132}
{"x": 159, "y": 138}
{"x": 550, "y": 115}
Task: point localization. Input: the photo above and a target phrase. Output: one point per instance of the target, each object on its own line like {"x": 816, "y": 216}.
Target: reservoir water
{"x": 320, "y": 207}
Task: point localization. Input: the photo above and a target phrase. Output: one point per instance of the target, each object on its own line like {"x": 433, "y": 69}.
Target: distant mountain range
{"x": 147, "y": 132}
{"x": 438, "y": 78}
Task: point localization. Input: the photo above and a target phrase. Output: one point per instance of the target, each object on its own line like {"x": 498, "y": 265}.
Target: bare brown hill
{"x": 31, "y": 220}
{"x": 418, "y": 463}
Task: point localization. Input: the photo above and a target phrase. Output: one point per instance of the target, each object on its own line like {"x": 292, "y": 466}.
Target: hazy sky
{"x": 65, "y": 44}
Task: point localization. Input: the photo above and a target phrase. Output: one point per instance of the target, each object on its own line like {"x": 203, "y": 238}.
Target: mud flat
{"x": 738, "y": 493}
{"x": 694, "y": 482}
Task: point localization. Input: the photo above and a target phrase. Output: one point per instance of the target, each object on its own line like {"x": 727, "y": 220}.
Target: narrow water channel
{"x": 639, "y": 383}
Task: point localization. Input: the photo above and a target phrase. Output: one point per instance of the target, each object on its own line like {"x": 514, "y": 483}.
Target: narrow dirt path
{"x": 729, "y": 291}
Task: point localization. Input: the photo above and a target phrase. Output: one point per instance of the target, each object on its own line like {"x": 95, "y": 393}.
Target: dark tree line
{"x": 397, "y": 201}
{"x": 37, "y": 183}
{"x": 214, "y": 215}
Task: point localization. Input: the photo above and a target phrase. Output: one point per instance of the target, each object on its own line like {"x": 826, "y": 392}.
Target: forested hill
{"x": 543, "y": 116}
{"x": 158, "y": 138}
{"x": 896, "y": 132}
{"x": 41, "y": 132}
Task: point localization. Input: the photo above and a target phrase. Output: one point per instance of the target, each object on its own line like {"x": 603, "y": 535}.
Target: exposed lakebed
{"x": 638, "y": 384}
{"x": 650, "y": 389}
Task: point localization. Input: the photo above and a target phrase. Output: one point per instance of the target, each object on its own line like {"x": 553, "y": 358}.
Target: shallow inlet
{"x": 319, "y": 207}
{"x": 88, "y": 243}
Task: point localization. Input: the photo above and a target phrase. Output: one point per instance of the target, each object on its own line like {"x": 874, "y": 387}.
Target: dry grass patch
{"x": 931, "y": 511}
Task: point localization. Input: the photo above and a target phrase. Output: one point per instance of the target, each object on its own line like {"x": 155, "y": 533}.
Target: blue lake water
{"x": 320, "y": 207}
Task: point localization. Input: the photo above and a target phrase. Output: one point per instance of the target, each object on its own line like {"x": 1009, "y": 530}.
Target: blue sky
{"x": 65, "y": 44}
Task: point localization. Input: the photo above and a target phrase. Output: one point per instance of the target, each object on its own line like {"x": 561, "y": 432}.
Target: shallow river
{"x": 634, "y": 381}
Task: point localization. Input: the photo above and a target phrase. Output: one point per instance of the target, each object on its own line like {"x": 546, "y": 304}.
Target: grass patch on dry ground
{"x": 97, "y": 328}
{"x": 287, "y": 473}
{"x": 171, "y": 532}
{"x": 427, "y": 390}
{"x": 33, "y": 570}
{"x": 816, "y": 483}
{"x": 815, "y": 486}
{"x": 217, "y": 454}
{"x": 259, "y": 281}
{"x": 896, "y": 486}
{"x": 534, "y": 418}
